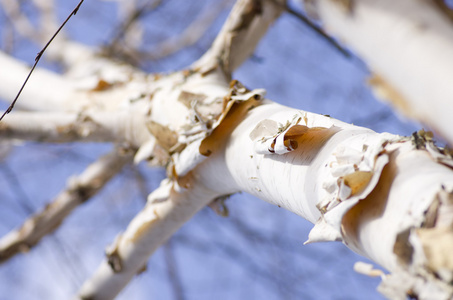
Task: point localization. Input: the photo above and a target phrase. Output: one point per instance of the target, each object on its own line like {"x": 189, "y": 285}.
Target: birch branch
{"x": 353, "y": 183}
{"x": 166, "y": 211}
{"x": 408, "y": 46}
{"x": 247, "y": 23}
{"x": 117, "y": 127}
{"x": 45, "y": 91}
{"x": 91, "y": 84}
{"x": 191, "y": 33}
{"x": 79, "y": 189}
{"x": 377, "y": 193}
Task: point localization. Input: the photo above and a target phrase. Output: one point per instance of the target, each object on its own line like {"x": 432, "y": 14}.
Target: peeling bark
{"x": 386, "y": 197}
{"x": 167, "y": 209}
{"x": 408, "y": 45}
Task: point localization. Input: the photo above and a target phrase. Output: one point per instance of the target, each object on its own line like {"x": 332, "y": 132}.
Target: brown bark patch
{"x": 371, "y": 207}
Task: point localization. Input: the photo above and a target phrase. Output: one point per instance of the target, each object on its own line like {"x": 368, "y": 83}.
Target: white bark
{"x": 47, "y": 91}
{"x": 166, "y": 211}
{"x": 353, "y": 183}
{"x": 402, "y": 196}
{"x": 116, "y": 127}
{"x": 408, "y": 45}
{"x": 246, "y": 25}
{"x": 386, "y": 197}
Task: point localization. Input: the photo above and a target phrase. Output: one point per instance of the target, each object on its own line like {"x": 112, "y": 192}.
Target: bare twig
{"x": 132, "y": 18}
{"x": 23, "y": 200}
{"x": 246, "y": 25}
{"x": 243, "y": 259}
{"x": 38, "y": 57}
{"x": 446, "y": 9}
{"x": 172, "y": 268}
{"x": 191, "y": 34}
{"x": 78, "y": 191}
{"x": 314, "y": 27}
{"x": 141, "y": 182}
{"x": 188, "y": 37}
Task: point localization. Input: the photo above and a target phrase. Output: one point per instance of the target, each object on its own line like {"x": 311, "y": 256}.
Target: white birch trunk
{"x": 408, "y": 45}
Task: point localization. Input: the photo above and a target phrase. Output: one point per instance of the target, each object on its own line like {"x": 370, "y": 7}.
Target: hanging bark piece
{"x": 367, "y": 269}
{"x": 271, "y": 137}
{"x": 355, "y": 170}
{"x": 357, "y": 181}
{"x": 236, "y": 105}
{"x": 166, "y": 137}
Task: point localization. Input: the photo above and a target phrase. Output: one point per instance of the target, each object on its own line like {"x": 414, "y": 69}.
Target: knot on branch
{"x": 81, "y": 191}
{"x": 113, "y": 257}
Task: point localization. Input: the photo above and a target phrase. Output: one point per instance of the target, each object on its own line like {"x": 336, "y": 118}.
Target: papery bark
{"x": 408, "y": 46}
{"x": 386, "y": 197}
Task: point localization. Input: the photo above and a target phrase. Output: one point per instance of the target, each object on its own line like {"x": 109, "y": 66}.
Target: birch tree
{"x": 386, "y": 197}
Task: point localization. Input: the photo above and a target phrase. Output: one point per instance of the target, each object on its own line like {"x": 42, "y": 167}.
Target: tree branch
{"x": 417, "y": 35}
{"x": 191, "y": 34}
{"x": 38, "y": 57}
{"x": 79, "y": 189}
{"x": 48, "y": 91}
{"x": 116, "y": 127}
{"x": 316, "y": 28}
{"x": 244, "y": 28}
{"x": 166, "y": 211}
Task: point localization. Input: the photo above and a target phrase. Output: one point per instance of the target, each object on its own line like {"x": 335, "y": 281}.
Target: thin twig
{"x": 314, "y": 27}
{"x": 172, "y": 268}
{"x": 133, "y": 17}
{"x": 38, "y": 57}
{"x": 22, "y": 198}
